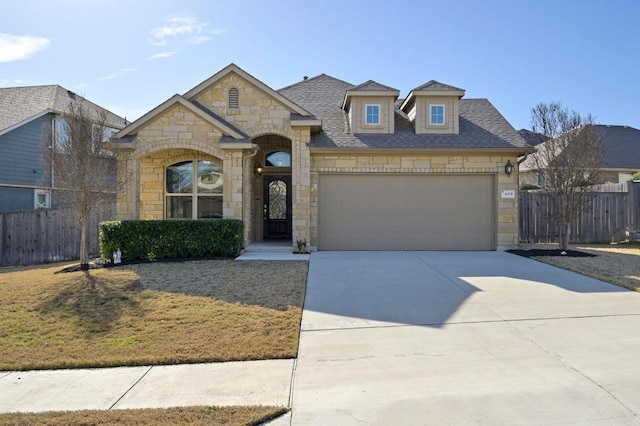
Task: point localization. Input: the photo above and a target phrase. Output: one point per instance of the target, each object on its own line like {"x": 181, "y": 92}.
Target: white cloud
{"x": 117, "y": 74}
{"x": 183, "y": 26}
{"x": 199, "y": 39}
{"x": 161, "y": 55}
{"x": 15, "y": 48}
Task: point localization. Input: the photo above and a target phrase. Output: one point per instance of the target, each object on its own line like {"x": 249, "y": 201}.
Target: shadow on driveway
{"x": 367, "y": 289}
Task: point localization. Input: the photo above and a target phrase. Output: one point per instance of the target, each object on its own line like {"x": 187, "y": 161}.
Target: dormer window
{"x": 372, "y": 115}
{"x": 436, "y": 116}
{"x": 234, "y": 98}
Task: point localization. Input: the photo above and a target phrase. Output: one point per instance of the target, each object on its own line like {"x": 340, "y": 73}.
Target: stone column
{"x": 301, "y": 179}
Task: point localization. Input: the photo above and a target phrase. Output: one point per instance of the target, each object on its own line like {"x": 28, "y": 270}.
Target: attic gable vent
{"x": 234, "y": 98}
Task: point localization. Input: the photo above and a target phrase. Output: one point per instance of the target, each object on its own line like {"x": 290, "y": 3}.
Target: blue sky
{"x": 129, "y": 56}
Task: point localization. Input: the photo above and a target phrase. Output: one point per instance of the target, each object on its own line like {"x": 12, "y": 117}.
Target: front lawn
{"x": 153, "y": 313}
{"x": 193, "y": 416}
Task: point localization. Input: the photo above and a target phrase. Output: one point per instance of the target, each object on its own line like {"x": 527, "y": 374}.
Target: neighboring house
{"x": 342, "y": 166}
{"x": 622, "y": 145}
{"x": 26, "y": 115}
{"x": 532, "y": 138}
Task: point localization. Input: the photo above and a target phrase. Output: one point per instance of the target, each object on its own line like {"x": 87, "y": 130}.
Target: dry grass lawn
{"x": 617, "y": 264}
{"x": 195, "y": 416}
{"x": 154, "y": 313}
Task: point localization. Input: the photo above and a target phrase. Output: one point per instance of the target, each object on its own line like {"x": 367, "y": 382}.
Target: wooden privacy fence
{"x": 607, "y": 217}
{"x": 47, "y": 235}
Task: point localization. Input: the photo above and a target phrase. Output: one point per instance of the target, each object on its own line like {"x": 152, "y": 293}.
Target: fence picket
{"x": 607, "y": 217}
{"x": 47, "y": 235}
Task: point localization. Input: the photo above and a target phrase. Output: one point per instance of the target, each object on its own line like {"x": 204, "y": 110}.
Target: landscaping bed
{"x": 617, "y": 264}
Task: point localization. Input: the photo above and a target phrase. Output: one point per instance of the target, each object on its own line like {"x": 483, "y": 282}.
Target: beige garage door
{"x": 406, "y": 212}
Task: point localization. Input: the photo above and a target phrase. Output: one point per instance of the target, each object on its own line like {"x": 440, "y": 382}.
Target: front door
{"x": 277, "y": 207}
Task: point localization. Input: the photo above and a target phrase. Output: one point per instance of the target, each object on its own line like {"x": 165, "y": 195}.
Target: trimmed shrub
{"x": 167, "y": 239}
{"x": 528, "y": 186}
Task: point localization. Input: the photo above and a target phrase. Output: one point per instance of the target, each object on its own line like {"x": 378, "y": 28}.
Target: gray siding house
{"x": 26, "y": 113}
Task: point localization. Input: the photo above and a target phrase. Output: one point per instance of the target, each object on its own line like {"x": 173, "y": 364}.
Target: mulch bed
{"x": 551, "y": 253}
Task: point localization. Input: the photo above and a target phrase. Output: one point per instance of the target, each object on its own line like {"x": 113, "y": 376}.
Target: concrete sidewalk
{"x": 229, "y": 383}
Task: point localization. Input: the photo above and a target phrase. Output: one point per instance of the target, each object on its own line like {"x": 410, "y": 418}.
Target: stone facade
{"x": 200, "y": 126}
{"x": 179, "y": 134}
{"x": 506, "y": 209}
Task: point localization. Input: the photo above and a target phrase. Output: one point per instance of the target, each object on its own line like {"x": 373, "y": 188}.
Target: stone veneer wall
{"x": 179, "y": 134}
{"x": 506, "y": 209}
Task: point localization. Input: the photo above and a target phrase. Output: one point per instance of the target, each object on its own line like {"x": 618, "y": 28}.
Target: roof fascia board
{"x": 363, "y": 150}
{"x": 29, "y": 120}
{"x": 176, "y": 99}
{"x": 459, "y": 93}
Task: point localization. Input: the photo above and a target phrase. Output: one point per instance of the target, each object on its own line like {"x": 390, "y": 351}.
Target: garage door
{"x": 406, "y": 212}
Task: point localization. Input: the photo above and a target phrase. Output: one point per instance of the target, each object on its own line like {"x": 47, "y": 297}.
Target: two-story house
{"x": 342, "y": 166}
{"x": 27, "y": 114}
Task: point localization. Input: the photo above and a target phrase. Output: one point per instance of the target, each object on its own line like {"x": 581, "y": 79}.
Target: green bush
{"x": 527, "y": 186}
{"x": 162, "y": 239}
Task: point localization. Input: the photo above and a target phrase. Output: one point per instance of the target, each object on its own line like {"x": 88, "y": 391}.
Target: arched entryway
{"x": 272, "y": 187}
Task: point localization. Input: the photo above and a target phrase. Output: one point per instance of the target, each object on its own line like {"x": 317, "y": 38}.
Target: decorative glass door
{"x": 277, "y": 207}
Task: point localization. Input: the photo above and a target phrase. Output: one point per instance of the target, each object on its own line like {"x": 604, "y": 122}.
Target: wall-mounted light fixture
{"x": 257, "y": 169}
{"x": 508, "y": 168}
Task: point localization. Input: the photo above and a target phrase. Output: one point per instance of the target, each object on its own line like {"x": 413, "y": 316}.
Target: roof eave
{"x": 28, "y": 120}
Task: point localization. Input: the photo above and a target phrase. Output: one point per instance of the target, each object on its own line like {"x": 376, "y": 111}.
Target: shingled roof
{"x": 481, "y": 125}
{"x": 19, "y": 105}
{"x": 371, "y": 85}
{"x": 622, "y": 144}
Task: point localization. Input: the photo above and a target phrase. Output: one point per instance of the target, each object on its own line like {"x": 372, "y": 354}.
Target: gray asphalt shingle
{"x": 18, "y": 104}
{"x": 481, "y": 125}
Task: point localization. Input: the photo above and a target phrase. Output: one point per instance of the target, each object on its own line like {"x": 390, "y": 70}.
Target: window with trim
{"x": 436, "y": 115}
{"x": 234, "y": 98}
{"x": 41, "y": 199}
{"x": 372, "y": 115}
{"x": 193, "y": 190}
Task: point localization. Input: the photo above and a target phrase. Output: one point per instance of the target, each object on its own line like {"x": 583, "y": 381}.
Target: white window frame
{"x": 366, "y": 116}
{"x": 47, "y": 198}
{"x": 444, "y": 115}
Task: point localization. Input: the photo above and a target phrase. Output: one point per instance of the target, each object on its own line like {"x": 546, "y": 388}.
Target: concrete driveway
{"x": 462, "y": 338}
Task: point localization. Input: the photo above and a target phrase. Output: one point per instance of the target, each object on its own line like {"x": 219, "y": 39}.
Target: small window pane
{"x": 180, "y": 178}
{"x": 179, "y": 207}
{"x": 373, "y": 114}
{"x": 278, "y": 159}
{"x": 437, "y": 114}
{"x": 209, "y": 207}
{"x": 209, "y": 177}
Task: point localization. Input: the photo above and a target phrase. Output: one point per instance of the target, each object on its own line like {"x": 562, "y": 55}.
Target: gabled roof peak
{"x": 371, "y": 85}
{"x": 436, "y": 85}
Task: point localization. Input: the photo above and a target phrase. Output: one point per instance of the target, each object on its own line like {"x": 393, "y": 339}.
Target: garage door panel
{"x": 406, "y": 212}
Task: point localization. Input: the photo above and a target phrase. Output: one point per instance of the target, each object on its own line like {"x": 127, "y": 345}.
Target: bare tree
{"x": 83, "y": 173}
{"x": 570, "y": 161}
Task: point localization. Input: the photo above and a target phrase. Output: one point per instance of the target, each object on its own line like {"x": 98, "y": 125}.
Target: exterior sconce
{"x": 257, "y": 169}
{"x": 508, "y": 168}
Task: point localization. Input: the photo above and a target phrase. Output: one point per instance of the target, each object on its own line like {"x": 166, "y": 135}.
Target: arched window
{"x": 184, "y": 200}
{"x": 234, "y": 98}
{"x": 278, "y": 159}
